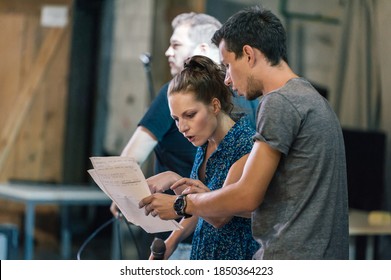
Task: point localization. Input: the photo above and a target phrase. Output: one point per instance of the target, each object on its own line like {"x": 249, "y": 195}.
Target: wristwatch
{"x": 180, "y": 206}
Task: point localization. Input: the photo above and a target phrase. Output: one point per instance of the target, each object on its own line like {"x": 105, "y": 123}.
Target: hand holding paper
{"x": 123, "y": 181}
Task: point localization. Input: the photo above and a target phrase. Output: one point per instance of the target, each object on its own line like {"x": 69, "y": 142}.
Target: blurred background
{"x": 73, "y": 85}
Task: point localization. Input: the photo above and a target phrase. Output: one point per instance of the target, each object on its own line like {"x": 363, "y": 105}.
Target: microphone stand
{"x": 146, "y": 60}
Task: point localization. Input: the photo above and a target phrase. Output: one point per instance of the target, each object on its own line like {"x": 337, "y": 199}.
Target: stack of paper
{"x": 123, "y": 181}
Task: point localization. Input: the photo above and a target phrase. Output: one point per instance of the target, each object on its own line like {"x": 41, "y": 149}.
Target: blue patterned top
{"x": 234, "y": 240}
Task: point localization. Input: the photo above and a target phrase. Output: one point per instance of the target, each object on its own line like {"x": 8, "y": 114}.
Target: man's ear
{"x": 203, "y": 48}
{"x": 249, "y": 54}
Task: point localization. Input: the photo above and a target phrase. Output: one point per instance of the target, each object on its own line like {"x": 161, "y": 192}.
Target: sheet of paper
{"x": 112, "y": 161}
{"x": 123, "y": 181}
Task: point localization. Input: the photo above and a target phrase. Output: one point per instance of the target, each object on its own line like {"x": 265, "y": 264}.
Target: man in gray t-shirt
{"x": 303, "y": 214}
{"x": 294, "y": 180}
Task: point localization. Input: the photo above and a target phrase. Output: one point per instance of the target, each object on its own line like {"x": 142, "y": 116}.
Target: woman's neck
{"x": 224, "y": 124}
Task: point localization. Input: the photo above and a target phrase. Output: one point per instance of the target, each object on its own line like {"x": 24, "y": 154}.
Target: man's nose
{"x": 169, "y": 51}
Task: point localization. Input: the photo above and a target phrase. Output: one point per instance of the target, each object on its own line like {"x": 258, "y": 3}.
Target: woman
{"x": 200, "y": 104}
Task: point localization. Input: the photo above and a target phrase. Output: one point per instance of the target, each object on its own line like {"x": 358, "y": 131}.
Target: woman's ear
{"x": 216, "y": 105}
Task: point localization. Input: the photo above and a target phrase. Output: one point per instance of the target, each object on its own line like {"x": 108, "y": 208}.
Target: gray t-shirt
{"x": 304, "y": 214}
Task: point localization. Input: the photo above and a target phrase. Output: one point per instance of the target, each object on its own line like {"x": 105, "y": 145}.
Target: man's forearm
{"x": 140, "y": 145}
{"x": 225, "y": 202}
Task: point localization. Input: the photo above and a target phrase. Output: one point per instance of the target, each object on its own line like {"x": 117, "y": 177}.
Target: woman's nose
{"x": 227, "y": 79}
{"x": 182, "y": 126}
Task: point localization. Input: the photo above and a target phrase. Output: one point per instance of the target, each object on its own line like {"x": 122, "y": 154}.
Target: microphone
{"x": 158, "y": 248}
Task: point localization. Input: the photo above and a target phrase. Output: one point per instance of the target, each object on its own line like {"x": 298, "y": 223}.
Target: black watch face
{"x": 178, "y": 205}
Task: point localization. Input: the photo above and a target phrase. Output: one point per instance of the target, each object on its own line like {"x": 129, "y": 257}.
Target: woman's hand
{"x": 162, "y": 181}
{"x": 114, "y": 210}
{"x": 188, "y": 186}
{"x": 170, "y": 248}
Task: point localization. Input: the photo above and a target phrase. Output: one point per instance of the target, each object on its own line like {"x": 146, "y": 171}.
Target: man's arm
{"x": 234, "y": 174}
{"x": 235, "y": 199}
{"x": 245, "y": 195}
{"x": 140, "y": 145}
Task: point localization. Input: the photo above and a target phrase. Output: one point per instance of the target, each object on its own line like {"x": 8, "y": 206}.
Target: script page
{"x": 123, "y": 181}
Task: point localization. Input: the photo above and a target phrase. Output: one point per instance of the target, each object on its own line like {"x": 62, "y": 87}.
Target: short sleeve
{"x": 278, "y": 122}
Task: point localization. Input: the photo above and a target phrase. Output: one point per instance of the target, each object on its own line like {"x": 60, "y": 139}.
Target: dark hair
{"x": 256, "y": 27}
{"x": 205, "y": 79}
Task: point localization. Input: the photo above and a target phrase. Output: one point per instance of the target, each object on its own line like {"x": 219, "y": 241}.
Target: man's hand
{"x": 161, "y": 205}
